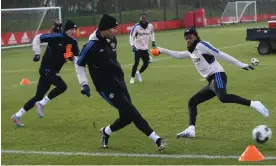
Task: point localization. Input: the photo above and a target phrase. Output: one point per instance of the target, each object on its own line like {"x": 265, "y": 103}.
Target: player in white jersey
{"x": 204, "y": 57}
{"x": 139, "y": 41}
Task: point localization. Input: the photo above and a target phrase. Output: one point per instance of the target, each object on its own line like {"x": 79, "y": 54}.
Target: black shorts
{"x": 217, "y": 83}
{"x": 143, "y": 54}
{"x": 216, "y": 87}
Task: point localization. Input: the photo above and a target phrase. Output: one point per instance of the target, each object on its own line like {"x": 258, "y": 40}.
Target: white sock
{"x": 137, "y": 72}
{"x": 252, "y": 104}
{"x": 44, "y": 101}
{"x": 192, "y": 127}
{"x": 21, "y": 112}
{"x": 107, "y": 130}
{"x": 154, "y": 136}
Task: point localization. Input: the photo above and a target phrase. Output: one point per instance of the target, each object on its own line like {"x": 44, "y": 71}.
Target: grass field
{"x": 223, "y": 130}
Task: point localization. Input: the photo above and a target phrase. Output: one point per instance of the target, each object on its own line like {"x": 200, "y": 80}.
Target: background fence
{"x": 88, "y": 12}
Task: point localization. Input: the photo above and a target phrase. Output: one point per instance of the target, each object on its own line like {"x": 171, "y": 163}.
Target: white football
{"x": 262, "y": 134}
{"x": 254, "y": 61}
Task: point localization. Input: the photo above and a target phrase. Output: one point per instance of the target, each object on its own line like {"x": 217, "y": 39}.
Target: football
{"x": 155, "y": 51}
{"x": 254, "y": 61}
{"x": 261, "y": 134}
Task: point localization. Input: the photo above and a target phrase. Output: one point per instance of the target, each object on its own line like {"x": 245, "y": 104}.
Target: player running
{"x": 204, "y": 57}
{"x": 139, "y": 39}
{"x": 61, "y": 46}
{"x": 100, "y": 55}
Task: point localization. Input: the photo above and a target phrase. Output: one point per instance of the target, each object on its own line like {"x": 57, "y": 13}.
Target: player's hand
{"x": 134, "y": 48}
{"x": 36, "y": 58}
{"x": 72, "y": 58}
{"x": 153, "y": 44}
{"x": 155, "y": 51}
{"x": 248, "y": 67}
{"x": 85, "y": 90}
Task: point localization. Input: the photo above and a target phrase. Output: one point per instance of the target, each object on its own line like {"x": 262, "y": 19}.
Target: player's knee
{"x": 63, "y": 87}
{"x": 192, "y": 102}
{"x": 134, "y": 115}
{"x": 223, "y": 98}
{"x": 136, "y": 64}
{"x": 126, "y": 119}
{"x": 37, "y": 97}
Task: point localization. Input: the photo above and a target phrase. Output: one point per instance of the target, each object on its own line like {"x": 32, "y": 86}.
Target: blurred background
{"x": 88, "y": 12}
{"x": 19, "y": 26}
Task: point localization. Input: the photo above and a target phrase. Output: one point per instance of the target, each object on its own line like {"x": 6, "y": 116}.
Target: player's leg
{"x": 201, "y": 96}
{"x": 150, "y": 59}
{"x": 128, "y": 113}
{"x": 42, "y": 87}
{"x": 145, "y": 58}
{"x": 125, "y": 91}
{"x": 135, "y": 65}
{"x": 60, "y": 87}
{"x": 219, "y": 88}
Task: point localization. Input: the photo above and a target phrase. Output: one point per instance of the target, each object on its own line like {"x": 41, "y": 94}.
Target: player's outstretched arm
{"x": 209, "y": 49}
{"x": 175, "y": 54}
{"x": 80, "y": 63}
{"x": 81, "y": 74}
{"x": 132, "y": 36}
{"x": 40, "y": 38}
{"x": 152, "y": 36}
{"x": 36, "y": 48}
{"x": 230, "y": 59}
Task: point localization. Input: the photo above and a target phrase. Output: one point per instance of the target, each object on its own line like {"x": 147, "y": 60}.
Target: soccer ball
{"x": 262, "y": 134}
{"x": 255, "y": 61}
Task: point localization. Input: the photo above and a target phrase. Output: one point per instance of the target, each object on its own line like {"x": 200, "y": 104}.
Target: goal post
{"x": 20, "y": 25}
{"x": 239, "y": 11}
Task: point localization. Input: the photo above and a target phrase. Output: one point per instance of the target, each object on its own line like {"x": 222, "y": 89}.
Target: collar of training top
{"x": 192, "y": 48}
{"x": 98, "y": 35}
{"x": 58, "y": 25}
{"x": 144, "y": 25}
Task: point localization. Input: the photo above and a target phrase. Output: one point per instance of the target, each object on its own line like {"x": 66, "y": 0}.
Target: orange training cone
{"x": 251, "y": 153}
{"x": 25, "y": 81}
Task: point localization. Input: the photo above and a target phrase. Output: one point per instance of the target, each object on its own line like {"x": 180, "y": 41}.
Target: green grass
{"x": 222, "y": 129}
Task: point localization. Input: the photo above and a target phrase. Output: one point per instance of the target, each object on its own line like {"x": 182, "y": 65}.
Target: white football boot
{"x": 132, "y": 80}
{"x": 139, "y": 76}
{"x": 188, "y": 133}
{"x": 150, "y": 59}
{"x": 259, "y": 107}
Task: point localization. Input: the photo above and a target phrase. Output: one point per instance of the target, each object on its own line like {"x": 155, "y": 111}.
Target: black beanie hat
{"x": 69, "y": 25}
{"x": 190, "y": 31}
{"x": 107, "y": 22}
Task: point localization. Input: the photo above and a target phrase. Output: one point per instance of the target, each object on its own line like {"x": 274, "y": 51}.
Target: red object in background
{"x": 126, "y": 28}
{"x": 17, "y": 38}
{"x": 85, "y": 31}
{"x": 189, "y": 19}
{"x": 9, "y": 39}
{"x": 271, "y": 17}
{"x": 212, "y": 21}
{"x": 174, "y": 24}
{"x": 159, "y": 25}
{"x": 23, "y": 37}
{"x": 200, "y": 17}
{"x": 272, "y": 24}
